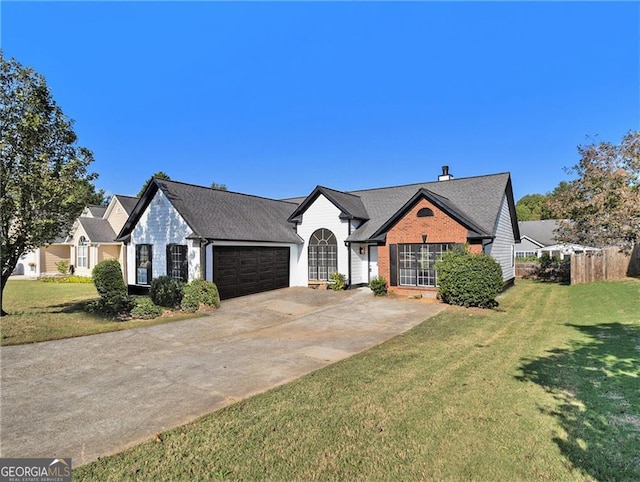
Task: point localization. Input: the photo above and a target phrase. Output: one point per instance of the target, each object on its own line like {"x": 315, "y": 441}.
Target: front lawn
{"x": 40, "y": 311}
{"x": 546, "y": 387}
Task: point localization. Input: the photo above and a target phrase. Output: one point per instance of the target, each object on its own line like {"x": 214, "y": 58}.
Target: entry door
{"x": 373, "y": 262}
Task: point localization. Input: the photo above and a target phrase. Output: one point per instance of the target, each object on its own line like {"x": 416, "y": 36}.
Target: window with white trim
{"x": 416, "y": 263}
{"x": 323, "y": 255}
{"x": 82, "y": 255}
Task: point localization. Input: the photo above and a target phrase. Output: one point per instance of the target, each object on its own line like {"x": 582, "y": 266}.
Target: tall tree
{"x": 159, "y": 175}
{"x": 533, "y": 207}
{"x": 219, "y": 187}
{"x": 603, "y": 202}
{"x": 44, "y": 180}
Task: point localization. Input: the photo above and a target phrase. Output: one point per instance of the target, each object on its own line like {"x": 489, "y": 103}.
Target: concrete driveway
{"x": 97, "y": 395}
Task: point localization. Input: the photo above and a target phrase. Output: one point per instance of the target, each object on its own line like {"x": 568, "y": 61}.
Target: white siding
{"x": 321, "y": 214}
{"x": 159, "y": 225}
{"x": 503, "y": 246}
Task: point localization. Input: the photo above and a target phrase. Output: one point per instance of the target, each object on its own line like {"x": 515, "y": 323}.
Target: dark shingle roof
{"x": 222, "y": 215}
{"x": 97, "y": 211}
{"x": 475, "y": 199}
{"x": 127, "y": 202}
{"x": 351, "y": 206}
{"x": 98, "y": 230}
{"x": 539, "y": 231}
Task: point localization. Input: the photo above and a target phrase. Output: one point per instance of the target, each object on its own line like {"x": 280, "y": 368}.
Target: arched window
{"x": 82, "y": 258}
{"x": 425, "y": 213}
{"x": 323, "y": 255}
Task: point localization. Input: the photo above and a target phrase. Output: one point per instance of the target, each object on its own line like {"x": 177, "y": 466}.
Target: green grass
{"x": 546, "y": 387}
{"x": 40, "y": 311}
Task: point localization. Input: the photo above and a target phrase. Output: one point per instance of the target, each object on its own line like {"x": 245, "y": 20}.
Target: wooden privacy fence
{"x": 606, "y": 264}
{"x": 526, "y": 269}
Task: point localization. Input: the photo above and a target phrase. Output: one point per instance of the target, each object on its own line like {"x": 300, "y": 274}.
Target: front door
{"x": 373, "y": 262}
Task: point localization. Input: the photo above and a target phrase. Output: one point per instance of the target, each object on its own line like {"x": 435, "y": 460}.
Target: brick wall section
{"x": 439, "y": 228}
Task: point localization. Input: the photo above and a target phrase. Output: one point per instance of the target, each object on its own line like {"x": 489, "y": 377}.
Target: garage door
{"x": 243, "y": 270}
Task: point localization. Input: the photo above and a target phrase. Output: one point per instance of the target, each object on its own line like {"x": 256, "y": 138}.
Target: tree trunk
{"x": 8, "y": 265}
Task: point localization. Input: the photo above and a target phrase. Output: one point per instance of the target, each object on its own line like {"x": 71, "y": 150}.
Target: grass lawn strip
{"x": 469, "y": 394}
{"x": 42, "y": 311}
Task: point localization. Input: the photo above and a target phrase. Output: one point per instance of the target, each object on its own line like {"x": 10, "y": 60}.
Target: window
{"x": 82, "y": 255}
{"x": 525, "y": 254}
{"x": 425, "y": 212}
{"x": 323, "y": 255}
{"x": 177, "y": 262}
{"x": 416, "y": 263}
{"x": 143, "y": 264}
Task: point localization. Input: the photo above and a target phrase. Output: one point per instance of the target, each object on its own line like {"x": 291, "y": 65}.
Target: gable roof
{"x": 350, "y": 205}
{"x": 445, "y": 205}
{"x": 96, "y": 211}
{"x": 97, "y": 230}
{"x": 474, "y": 201}
{"x": 539, "y": 232}
{"x": 127, "y": 202}
{"x": 221, "y": 215}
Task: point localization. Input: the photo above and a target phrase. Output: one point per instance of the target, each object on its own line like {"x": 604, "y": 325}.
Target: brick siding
{"x": 439, "y": 228}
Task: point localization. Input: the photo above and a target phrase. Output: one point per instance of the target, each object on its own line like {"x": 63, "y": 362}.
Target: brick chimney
{"x": 445, "y": 176}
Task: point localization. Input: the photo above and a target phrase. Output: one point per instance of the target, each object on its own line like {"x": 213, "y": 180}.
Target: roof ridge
{"x": 223, "y": 191}
{"x": 338, "y": 191}
{"x": 429, "y": 182}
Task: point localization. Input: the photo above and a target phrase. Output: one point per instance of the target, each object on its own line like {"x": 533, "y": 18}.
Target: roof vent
{"x": 445, "y": 176}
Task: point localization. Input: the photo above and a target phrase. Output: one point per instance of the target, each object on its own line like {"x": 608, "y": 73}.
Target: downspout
{"x": 349, "y": 255}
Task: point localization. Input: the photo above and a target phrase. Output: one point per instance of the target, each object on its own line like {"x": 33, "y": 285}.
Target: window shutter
{"x": 150, "y": 265}
{"x": 184, "y": 267}
{"x": 393, "y": 265}
{"x": 168, "y": 270}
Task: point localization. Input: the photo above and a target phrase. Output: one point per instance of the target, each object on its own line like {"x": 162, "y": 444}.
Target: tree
{"x": 159, "y": 175}
{"x": 87, "y": 190}
{"x": 603, "y": 202}
{"x": 44, "y": 179}
{"x": 533, "y": 207}
{"x": 219, "y": 187}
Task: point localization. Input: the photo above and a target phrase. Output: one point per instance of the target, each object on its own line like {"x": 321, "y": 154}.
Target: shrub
{"x": 114, "y": 306}
{"x": 107, "y": 276}
{"x": 200, "y": 292}
{"x": 62, "y": 266}
{"x": 166, "y": 291}
{"x": 467, "y": 279}
{"x": 338, "y": 281}
{"x": 553, "y": 269}
{"x": 145, "y": 308}
{"x": 378, "y": 285}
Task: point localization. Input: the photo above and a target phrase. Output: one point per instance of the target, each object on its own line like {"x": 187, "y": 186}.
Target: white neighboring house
{"x": 538, "y": 238}
{"x": 91, "y": 240}
{"x": 248, "y": 244}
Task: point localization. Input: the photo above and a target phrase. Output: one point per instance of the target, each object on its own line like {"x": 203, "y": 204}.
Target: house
{"x": 91, "y": 240}
{"x": 538, "y": 238}
{"x": 248, "y": 244}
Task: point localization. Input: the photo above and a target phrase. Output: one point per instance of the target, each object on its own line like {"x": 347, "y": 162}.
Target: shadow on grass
{"x": 596, "y": 384}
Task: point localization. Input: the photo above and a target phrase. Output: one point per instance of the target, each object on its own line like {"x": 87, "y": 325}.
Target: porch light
{"x": 424, "y": 239}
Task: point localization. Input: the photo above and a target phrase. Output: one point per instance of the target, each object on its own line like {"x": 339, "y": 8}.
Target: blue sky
{"x": 274, "y": 98}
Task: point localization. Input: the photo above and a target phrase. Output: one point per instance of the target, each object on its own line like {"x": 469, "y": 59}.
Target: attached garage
{"x": 244, "y": 270}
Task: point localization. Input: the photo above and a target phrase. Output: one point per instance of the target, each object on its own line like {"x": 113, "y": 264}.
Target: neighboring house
{"x": 248, "y": 244}
{"x": 538, "y": 238}
{"x": 91, "y": 240}
{"x": 535, "y": 235}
